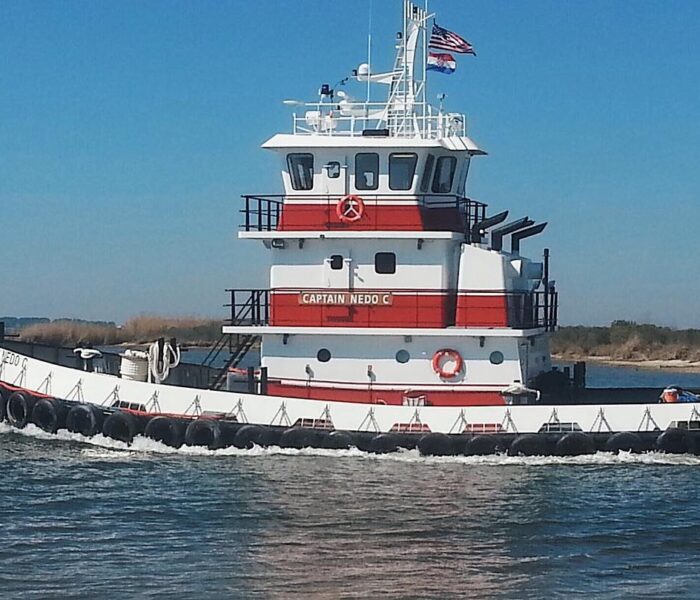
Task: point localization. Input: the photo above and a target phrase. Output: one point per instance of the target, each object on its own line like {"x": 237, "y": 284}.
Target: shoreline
{"x": 683, "y": 366}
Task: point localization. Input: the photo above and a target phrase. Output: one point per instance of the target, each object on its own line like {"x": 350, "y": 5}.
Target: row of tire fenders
{"x": 20, "y": 407}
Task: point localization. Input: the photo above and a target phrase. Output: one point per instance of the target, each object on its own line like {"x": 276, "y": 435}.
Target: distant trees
{"x": 628, "y": 340}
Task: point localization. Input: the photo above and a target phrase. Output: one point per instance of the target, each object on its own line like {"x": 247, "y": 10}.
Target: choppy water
{"x": 93, "y": 519}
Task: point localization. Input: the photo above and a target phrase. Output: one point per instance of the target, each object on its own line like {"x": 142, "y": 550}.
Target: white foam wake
{"x": 101, "y": 447}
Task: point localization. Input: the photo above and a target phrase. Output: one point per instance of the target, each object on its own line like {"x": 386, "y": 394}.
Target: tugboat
{"x": 399, "y": 313}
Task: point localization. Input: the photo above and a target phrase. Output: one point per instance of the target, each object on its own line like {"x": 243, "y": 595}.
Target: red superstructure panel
{"x": 475, "y": 310}
{"x": 406, "y": 310}
{"x": 391, "y": 397}
{"x": 376, "y": 217}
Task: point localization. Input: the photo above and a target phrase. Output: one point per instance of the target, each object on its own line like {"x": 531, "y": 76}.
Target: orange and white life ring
{"x": 447, "y": 356}
{"x": 350, "y": 208}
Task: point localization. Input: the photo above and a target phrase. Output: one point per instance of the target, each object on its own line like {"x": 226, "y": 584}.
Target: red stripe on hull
{"x": 392, "y": 397}
{"x": 315, "y": 217}
{"x": 411, "y": 310}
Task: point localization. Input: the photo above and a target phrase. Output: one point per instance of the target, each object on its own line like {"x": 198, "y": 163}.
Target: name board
{"x": 346, "y": 298}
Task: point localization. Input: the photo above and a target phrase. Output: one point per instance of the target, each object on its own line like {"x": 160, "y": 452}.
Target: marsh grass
{"x": 137, "y": 330}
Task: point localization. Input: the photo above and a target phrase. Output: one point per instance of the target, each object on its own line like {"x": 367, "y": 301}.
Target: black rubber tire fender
{"x": 624, "y": 441}
{"x": 4, "y": 395}
{"x": 385, "y": 443}
{"x": 165, "y": 430}
{"x": 253, "y": 435}
{"x": 436, "y": 444}
{"x": 302, "y": 437}
{"x": 339, "y": 440}
{"x": 85, "y": 419}
{"x": 120, "y": 426}
{"x": 481, "y": 445}
{"x": 49, "y": 414}
{"x": 529, "y": 444}
{"x": 675, "y": 441}
{"x": 575, "y": 443}
{"x": 19, "y": 409}
{"x": 203, "y": 432}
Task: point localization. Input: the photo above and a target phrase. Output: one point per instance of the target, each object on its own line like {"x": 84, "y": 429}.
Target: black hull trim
{"x": 123, "y": 425}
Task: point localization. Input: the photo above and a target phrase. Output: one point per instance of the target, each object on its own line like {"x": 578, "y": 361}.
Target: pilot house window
{"x": 301, "y": 170}
{"x": 366, "y": 171}
{"x": 444, "y": 174}
{"x": 427, "y": 172}
{"x": 402, "y": 168}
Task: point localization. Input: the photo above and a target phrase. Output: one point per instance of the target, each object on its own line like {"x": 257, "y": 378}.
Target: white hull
{"x": 103, "y": 390}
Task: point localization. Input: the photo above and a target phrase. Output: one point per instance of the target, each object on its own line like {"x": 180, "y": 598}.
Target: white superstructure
{"x": 380, "y": 262}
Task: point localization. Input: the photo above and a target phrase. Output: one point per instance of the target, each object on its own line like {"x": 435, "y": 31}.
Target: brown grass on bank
{"x": 137, "y": 330}
{"x": 71, "y": 333}
{"x": 193, "y": 330}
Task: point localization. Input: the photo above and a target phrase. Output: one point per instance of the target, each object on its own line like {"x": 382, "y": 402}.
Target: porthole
{"x": 323, "y": 355}
{"x": 496, "y": 357}
{"x": 402, "y": 356}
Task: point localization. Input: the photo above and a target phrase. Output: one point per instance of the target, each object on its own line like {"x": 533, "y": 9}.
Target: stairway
{"x": 239, "y": 349}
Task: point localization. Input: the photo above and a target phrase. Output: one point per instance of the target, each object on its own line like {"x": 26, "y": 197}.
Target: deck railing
{"x": 357, "y": 119}
{"x": 249, "y": 306}
{"x": 535, "y": 309}
{"x": 407, "y": 308}
{"x": 264, "y": 212}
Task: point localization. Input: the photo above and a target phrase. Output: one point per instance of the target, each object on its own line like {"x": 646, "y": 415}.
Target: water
{"x": 612, "y": 376}
{"x": 92, "y": 518}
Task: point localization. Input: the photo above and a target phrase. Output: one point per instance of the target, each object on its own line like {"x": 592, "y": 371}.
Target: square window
{"x": 301, "y": 170}
{"x": 385, "y": 263}
{"x": 402, "y": 168}
{"x": 427, "y": 172}
{"x": 333, "y": 170}
{"x": 444, "y": 174}
{"x": 366, "y": 171}
{"x": 336, "y": 262}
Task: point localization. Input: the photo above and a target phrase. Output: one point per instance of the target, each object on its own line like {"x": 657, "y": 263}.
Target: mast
{"x": 407, "y": 87}
{"x": 423, "y": 90}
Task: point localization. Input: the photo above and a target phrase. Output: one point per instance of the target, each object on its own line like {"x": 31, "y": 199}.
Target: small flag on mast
{"x": 444, "y": 63}
{"x": 443, "y": 39}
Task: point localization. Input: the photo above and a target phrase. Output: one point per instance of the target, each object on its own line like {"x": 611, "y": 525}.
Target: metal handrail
{"x": 353, "y": 118}
{"x": 252, "y": 309}
{"x": 525, "y": 309}
{"x": 263, "y": 212}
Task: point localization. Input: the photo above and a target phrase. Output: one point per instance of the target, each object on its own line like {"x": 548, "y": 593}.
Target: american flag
{"x": 447, "y": 40}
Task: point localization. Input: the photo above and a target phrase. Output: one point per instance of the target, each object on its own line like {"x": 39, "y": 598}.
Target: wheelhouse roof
{"x": 290, "y": 141}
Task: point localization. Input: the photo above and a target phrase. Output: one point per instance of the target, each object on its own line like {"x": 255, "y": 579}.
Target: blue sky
{"x": 128, "y": 131}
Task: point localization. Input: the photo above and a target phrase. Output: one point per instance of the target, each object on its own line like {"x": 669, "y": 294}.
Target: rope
{"x": 160, "y": 366}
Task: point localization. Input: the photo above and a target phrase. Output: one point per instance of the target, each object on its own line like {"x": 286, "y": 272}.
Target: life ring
{"x": 350, "y": 209}
{"x": 454, "y": 357}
